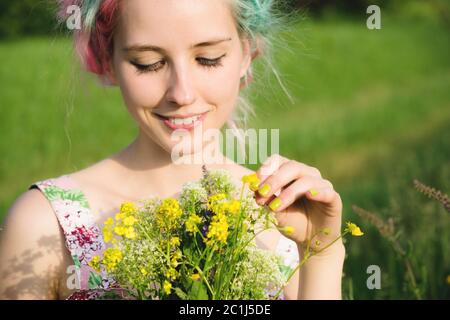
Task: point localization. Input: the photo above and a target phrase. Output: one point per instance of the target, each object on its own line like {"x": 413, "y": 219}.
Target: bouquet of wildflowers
{"x": 200, "y": 246}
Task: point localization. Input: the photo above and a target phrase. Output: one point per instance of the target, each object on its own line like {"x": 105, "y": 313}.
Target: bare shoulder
{"x": 31, "y": 208}
{"x": 31, "y": 249}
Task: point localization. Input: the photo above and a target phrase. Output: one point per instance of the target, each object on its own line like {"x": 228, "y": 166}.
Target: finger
{"x": 298, "y": 189}
{"x": 269, "y": 166}
{"x": 285, "y": 175}
{"x": 326, "y": 195}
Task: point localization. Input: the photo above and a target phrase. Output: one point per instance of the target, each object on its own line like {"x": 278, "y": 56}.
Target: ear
{"x": 246, "y": 57}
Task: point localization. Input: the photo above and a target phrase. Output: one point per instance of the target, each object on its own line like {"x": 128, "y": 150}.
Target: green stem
{"x": 330, "y": 244}
{"x": 204, "y": 279}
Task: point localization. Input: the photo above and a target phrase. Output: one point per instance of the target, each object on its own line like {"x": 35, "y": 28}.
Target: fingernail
{"x": 254, "y": 186}
{"x": 264, "y": 190}
{"x": 275, "y": 204}
{"x": 288, "y": 230}
{"x": 313, "y": 192}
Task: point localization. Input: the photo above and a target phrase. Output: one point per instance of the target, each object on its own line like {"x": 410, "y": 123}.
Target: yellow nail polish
{"x": 275, "y": 204}
{"x": 313, "y": 192}
{"x": 264, "y": 190}
{"x": 289, "y": 230}
{"x": 254, "y": 186}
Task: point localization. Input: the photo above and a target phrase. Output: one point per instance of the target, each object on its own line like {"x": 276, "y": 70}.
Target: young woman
{"x": 179, "y": 64}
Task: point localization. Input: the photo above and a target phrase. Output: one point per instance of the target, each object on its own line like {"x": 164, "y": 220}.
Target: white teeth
{"x": 186, "y": 121}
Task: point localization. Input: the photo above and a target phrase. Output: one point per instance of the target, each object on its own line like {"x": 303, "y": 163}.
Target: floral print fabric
{"x": 83, "y": 238}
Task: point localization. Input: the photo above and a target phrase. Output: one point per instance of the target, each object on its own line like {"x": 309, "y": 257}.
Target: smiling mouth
{"x": 186, "y": 123}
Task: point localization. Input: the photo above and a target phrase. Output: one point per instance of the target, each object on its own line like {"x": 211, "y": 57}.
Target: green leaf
{"x": 181, "y": 294}
{"x": 53, "y": 192}
{"x": 198, "y": 291}
{"x": 76, "y": 261}
{"x": 94, "y": 280}
{"x": 76, "y": 196}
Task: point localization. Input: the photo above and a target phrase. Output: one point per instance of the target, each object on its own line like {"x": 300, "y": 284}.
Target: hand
{"x": 300, "y": 198}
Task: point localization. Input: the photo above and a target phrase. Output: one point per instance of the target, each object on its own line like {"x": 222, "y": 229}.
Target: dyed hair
{"x": 257, "y": 20}
{"x": 94, "y": 41}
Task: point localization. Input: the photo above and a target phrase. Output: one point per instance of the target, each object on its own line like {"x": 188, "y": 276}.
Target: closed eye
{"x": 143, "y": 68}
{"x": 211, "y": 62}
{"x": 205, "y": 62}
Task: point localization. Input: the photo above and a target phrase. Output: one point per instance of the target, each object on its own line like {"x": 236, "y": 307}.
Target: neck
{"x": 144, "y": 160}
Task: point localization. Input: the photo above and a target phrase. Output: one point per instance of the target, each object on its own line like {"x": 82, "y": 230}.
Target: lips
{"x": 187, "y": 122}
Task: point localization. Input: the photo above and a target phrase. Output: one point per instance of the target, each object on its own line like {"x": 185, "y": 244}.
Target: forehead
{"x": 175, "y": 22}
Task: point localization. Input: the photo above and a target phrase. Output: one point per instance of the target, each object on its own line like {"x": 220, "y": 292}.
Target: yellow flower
{"x": 168, "y": 213}
{"x": 143, "y": 271}
{"x": 448, "y": 279}
{"x": 192, "y": 222}
{"x": 130, "y": 233}
{"x": 129, "y": 221}
{"x": 174, "y": 241}
{"x": 120, "y": 230}
{"x": 111, "y": 257}
{"x": 178, "y": 254}
{"x": 234, "y": 206}
{"x": 109, "y": 222}
{"x": 174, "y": 262}
{"x": 216, "y": 198}
{"x": 172, "y": 274}
{"x": 195, "y": 276}
{"x": 120, "y": 216}
{"x": 107, "y": 234}
{"x": 217, "y": 203}
{"x": 125, "y": 220}
{"x": 95, "y": 263}
{"x": 251, "y": 178}
{"x": 127, "y": 208}
{"x": 354, "y": 229}
{"x": 218, "y": 230}
{"x": 167, "y": 286}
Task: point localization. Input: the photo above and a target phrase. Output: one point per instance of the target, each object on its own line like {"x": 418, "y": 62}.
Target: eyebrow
{"x": 141, "y": 48}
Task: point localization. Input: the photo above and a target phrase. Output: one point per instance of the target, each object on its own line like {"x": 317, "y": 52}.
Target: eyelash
{"x": 207, "y": 63}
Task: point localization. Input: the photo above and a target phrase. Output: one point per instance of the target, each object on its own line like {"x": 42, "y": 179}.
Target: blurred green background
{"x": 371, "y": 110}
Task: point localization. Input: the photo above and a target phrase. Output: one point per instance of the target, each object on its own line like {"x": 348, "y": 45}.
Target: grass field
{"x": 371, "y": 111}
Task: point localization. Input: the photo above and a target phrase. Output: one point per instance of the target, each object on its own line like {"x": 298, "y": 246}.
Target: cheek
{"x": 138, "y": 90}
{"x": 222, "y": 87}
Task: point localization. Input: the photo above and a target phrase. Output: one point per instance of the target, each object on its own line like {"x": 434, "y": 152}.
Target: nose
{"x": 181, "y": 87}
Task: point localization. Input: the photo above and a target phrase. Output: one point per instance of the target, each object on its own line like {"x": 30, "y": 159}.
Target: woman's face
{"x": 174, "y": 58}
